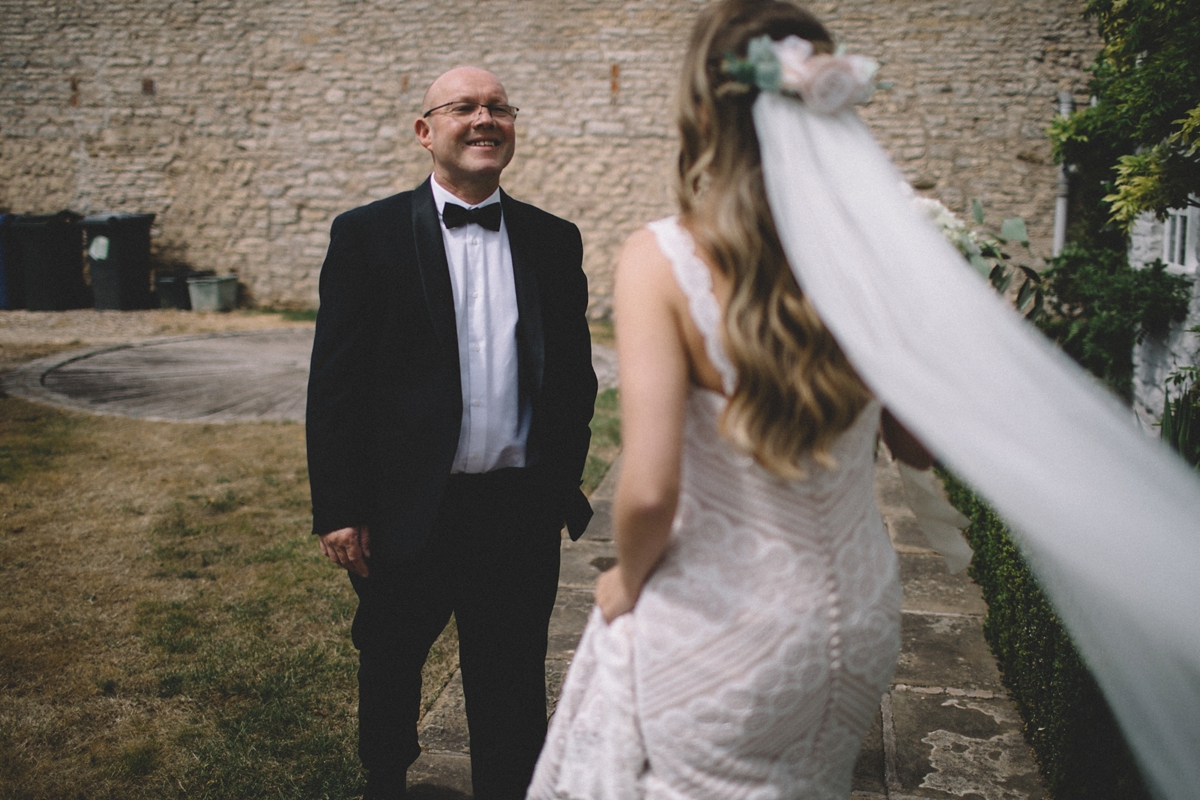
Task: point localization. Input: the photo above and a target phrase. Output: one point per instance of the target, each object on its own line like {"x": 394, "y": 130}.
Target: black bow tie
{"x": 455, "y": 216}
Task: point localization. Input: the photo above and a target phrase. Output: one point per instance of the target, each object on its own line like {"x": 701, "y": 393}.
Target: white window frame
{"x": 1181, "y": 236}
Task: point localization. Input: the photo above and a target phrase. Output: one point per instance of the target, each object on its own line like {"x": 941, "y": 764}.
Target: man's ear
{"x": 424, "y": 132}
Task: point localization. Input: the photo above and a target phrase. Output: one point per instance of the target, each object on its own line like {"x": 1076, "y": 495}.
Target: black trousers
{"x": 492, "y": 560}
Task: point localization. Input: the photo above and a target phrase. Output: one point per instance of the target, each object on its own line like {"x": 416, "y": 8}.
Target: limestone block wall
{"x": 247, "y": 126}
{"x": 975, "y": 85}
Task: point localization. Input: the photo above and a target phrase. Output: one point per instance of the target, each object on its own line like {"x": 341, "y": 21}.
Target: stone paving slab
{"x": 929, "y": 586}
{"x": 906, "y": 534}
{"x": 589, "y": 557}
{"x": 945, "y": 650}
{"x": 953, "y": 747}
{"x": 571, "y": 611}
{"x": 440, "y": 776}
{"x": 444, "y": 727}
{"x": 556, "y": 670}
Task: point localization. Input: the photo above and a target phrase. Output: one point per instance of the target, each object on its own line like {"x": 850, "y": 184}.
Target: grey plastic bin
{"x": 213, "y": 293}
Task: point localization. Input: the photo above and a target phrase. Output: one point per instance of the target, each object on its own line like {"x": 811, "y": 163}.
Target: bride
{"x": 756, "y": 599}
{"x": 740, "y": 646}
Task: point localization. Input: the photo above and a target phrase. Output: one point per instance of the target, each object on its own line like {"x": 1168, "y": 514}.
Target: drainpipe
{"x": 1066, "y": 104}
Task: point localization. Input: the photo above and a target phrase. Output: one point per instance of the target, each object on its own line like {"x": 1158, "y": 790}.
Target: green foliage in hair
{"x": 759, "y": 68}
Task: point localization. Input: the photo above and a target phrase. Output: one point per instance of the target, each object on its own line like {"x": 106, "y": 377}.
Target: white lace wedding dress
{"x": 757, "y": 653}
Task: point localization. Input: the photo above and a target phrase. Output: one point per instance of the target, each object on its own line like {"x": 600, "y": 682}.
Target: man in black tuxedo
{"x": 448, "y": 407}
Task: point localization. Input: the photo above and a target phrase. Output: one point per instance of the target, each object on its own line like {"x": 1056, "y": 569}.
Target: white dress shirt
{"x": 495, "y": 421}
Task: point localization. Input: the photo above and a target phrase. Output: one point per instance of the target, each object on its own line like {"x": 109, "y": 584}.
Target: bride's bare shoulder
{"x": 642, "y": 262}
{"x": 642, "y": 246}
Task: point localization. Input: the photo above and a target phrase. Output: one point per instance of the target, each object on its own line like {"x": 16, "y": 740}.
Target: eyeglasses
{"x": 465, "y": 110}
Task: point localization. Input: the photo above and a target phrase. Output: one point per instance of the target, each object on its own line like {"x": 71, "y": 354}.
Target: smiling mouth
{"x": 484, "y": 143}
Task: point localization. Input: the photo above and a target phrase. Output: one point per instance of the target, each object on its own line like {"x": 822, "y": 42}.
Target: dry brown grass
{"x": 168, "y": 626}
{"x": 104, "y": 327}
{"x": 13, "y": 355}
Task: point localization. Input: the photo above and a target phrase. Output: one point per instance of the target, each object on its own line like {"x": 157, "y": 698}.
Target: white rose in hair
{"x": 832, "y": 84}
{"x": 793, "y": 54}
{"x": 864, "y": 70}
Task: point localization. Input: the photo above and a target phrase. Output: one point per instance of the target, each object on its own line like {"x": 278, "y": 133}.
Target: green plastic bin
{"x": 118, "y": 249}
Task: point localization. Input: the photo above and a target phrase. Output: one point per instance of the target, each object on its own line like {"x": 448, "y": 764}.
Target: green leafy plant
{"x": 1142, "y": 135}
{"x": 1099, "y": 308}
{"x": 1029, "y": 295}
{"x": 1180, "y": 425}
{"x": 985, "y": 251}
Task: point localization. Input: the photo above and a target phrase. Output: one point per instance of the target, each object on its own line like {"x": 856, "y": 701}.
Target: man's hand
{"x": 348, "y": 547}
{"x": 612, "y": 595}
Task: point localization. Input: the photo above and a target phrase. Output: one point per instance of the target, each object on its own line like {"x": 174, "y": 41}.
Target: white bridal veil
{"x": 1108, "y": 518}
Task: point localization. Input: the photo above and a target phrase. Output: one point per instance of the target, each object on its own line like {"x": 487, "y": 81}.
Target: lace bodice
{"x": 757, "y": 652}
{"x": 695, "y": 280}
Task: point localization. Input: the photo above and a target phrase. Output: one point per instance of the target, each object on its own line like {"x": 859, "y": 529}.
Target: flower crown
{"x": 826, "y": 83}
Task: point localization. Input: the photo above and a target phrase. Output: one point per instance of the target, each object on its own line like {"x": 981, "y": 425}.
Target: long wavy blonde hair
{"x": 796, "y": 391}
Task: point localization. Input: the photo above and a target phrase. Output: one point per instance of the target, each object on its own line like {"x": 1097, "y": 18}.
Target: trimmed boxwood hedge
{"x": 1079, "y": 748}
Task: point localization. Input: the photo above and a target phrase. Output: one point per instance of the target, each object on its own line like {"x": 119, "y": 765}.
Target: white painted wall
{"x": 1155, "y": 358}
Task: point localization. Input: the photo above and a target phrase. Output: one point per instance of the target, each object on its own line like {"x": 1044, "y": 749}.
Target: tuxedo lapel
{"x": 435, "y": 273}
{"x": 530, "y": 341}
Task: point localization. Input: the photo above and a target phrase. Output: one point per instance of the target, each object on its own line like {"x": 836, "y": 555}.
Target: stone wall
{"x": 247, "y": 126}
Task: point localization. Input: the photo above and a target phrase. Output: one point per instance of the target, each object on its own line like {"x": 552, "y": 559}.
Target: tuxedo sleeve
{"x": 337, "y": 415}
{"x": 578, "y": 388}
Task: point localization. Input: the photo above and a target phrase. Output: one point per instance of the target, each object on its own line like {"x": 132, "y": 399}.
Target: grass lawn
{"x": 168, "y": 627}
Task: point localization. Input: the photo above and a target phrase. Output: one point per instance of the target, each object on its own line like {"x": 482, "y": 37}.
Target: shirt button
{"x": 476, "y": 403}
{"x": 475, "y": 294}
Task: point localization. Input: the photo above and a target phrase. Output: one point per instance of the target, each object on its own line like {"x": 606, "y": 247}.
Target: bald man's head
{"x": 470, "y": 143}
{"x": 443, "y": 86}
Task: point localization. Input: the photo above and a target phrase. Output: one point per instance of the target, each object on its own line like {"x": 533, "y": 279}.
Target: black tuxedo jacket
{"x": 384, "y": 393}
